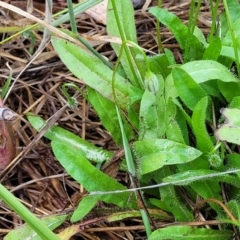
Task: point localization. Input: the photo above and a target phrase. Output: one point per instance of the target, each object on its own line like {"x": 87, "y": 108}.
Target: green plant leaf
{"x": 180, "y": 32}
{"x": 26, "y": 232}
{"x": 170, "y": 197}
{"x": 190, "y": 233}
{"x": 199, "y": 117}
{"x": 106, "y": 110}
{"x": 152, "y": 113}
{"x": 230, "y": 131}
{"x": 92, "y": 71}
{"x": 190, "y": 177}
{"x": 188, "y": 90}
{"x": 156, "y": 213}
{"x": 228, "y": 52}
{"x": 153, "y": 154}
{"x": 203, "y": 71}
{"x": 227, "y": 40}
{"x": 160, "y": 64}
{"x": 63, "y": 136}
{"x": 233, "y": 162}
{"x": 125, "y": 13}
{"x": 229, "y": 89}
{"x": 89, "y": 176}
{"x": 173, "y": 131}
{"x": 213, "y": 50}
{"x": 84, "y": 207}
{"x": 234, "y": 208}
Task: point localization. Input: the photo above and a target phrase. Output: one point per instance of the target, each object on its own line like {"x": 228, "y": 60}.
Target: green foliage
{"x": 25, "y": 230}
{"x": 180, "y": 31}
{"x": 153, "y": 154}
{"x": 181, "y": 232}
{"x": 170, "y": 114}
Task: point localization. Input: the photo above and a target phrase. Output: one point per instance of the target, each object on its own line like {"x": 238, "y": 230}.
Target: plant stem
{"x": 126, "y": 48}
{"x": 159, "y": 41}
{"x": 36, "y": 224}
{"x": 235, "y": 45}
{"x": 83, "y": 41}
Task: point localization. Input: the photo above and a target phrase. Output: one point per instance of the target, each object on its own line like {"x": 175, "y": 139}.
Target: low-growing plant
{"x": 170, "y": 113}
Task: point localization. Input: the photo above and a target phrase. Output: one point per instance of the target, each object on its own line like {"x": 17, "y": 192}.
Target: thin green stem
{"x": 214, "y": 10}
{"x": 36, "y": 224}
{"x": 127, "y": 149}
{"x": 192, "y": 21}
{"x": 83, "y": 41}
{"x": 235, "y": 45}
{"x": 126, "y": 49}
{"x": 159, "y": 40}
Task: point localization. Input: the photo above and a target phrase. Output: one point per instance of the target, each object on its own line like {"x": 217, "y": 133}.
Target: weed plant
{"x": 173, "y": 116}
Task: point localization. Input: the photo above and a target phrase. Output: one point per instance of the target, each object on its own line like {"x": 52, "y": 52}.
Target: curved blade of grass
{"x": 92, "y": 71}
{"x": 181, "y": 232}
{"x": 89, "y": 176}
{"x": 25, "y": 232}
{"x": 155, "y": 153}
{"x": 36, "y": 224}
{"x": 63, "y": 136}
